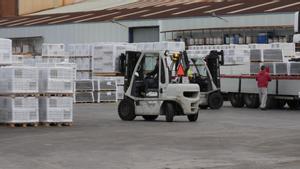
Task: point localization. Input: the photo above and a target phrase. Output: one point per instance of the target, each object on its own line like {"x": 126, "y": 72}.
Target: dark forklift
{"x": 207, "y": 74}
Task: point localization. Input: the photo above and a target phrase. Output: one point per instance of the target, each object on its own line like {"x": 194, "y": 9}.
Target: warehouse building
{"x": 196, "y": 22}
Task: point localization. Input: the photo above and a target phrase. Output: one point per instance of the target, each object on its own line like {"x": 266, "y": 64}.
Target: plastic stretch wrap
{"x": 56, "y": 109}
{"x": 19, "y": 110}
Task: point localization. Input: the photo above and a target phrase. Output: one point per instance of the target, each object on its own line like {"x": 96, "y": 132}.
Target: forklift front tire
{"x": 169, "y": 112}
{"x": 215, "y": 100}
{"x": 126, "y": 110}
{"x": 193, "y": 117}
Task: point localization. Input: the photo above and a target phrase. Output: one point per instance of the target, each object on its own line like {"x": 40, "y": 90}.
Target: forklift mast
{"x": 214, "y": 60}
{"x": 127, "y": 64}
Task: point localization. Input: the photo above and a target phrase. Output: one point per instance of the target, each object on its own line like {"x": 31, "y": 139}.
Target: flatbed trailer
{"x": 241, "y": 90}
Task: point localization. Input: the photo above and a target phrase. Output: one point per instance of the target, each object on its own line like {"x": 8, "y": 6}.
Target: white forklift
{"x": 150, "y": 92}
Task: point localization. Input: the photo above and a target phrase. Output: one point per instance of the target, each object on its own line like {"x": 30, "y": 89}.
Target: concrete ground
{"x": 225, "y": 139}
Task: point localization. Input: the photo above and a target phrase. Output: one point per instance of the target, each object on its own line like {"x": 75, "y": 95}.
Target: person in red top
{"x": 263, "y": 78}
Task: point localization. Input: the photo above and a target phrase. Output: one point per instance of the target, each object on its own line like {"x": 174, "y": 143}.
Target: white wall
{"x": 107, "y": 31}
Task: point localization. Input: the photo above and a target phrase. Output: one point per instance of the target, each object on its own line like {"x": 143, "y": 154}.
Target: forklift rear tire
{"x": 215, "y": 100}
{"x": 251, "y": 101}
{"x": 193, "y": 117}
{"x": 150, "y": 117}
{"x": 169, "y": 112}
{"x": 236, "y": 100}
{"x": 126, "y": 110}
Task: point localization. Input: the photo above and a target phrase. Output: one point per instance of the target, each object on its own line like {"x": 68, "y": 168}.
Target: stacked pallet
{"x": 85, "y": 90}
{"x": 5, "y": 51}
{"x": 56, "y": 94}
{"x": 80, "y": 54}
{"x": 106, "y": 90}
{"x": 19, "y": 95}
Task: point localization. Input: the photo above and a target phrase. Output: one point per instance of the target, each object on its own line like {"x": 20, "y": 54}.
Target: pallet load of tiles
{"x": 5, "y": 52}
{"x": 85, "y": 91}
{"x": 19, "y": 95}
{"x": 80, "y": 54}
{"x": 56, "y": 94}
{"x": 106, "y": 90}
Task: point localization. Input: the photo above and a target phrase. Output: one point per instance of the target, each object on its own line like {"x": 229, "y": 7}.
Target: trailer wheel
{"x": 169, "y": 112}
{"x": 236, "y": 99}
{"x": 150, "y": 117}
{"x": 193, "y": 117}
{"x": 215, "y": 100}
{"x": 273, "y": 103}
{"x": 251, "y": 100}
{"x": 126, "y": 110}
{"x": 294, "y": 104}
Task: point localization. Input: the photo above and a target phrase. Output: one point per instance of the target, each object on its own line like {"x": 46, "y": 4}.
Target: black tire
{"x": 150, "y": 117}
{"x": 126, "y": 110}
{"x": 193, "y": 117}
{"x": 294, "y": 104}
{"x": 236, "y": 100}
{"x": 169, "y": 112}
{"x": 215, "y": 100}
{"x": 274, "y": 103}
{"x": 251, "y": 100}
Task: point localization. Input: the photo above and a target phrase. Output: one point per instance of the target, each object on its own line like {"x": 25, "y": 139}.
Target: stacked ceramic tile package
{"x": 85, "y": 91}
{"x": 294, "y": 68}
{"x": 18, "y": 103}
{"x": 18, "y": 79}
{"x": 120, "y": 87}
{"x": 53, "y": 50}
{"x": 5, "y": 51}
{"x": 19, "y": 109}
{"x": 56, "y": 80}
{"x": 56, "y": 109}
{"x": 80, "y": 54}
{"x": 106, "y": 89}
{"x": 281, "y": 68}
{"x": 161, "y": 46}
{"x": 288, "y": 50}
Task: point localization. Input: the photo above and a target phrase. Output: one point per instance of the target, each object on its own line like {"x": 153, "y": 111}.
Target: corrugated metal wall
{"x": 96, "y": 32}
{"x": 77, "y": 33}
{"x": 280, "y": 19}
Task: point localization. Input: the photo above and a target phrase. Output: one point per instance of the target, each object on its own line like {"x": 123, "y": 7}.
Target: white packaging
{"x": 56, "y": 80}
{"x": 19, "y": 110}
{"x": 107, "y": 96}
{"x": 53, "y": 50}
{"x": 18, "y": 79}
{"x": 120, "y": 92}
{"x": 56, "y": 109}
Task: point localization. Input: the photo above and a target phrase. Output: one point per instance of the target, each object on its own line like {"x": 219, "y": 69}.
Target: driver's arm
{"x": 153, "y": 72}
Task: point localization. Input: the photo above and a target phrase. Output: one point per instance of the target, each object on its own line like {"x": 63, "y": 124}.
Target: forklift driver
{"x": 151, "y": 80}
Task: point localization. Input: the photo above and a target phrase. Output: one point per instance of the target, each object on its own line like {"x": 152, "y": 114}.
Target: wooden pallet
{"x": 106, "y": 74}
{"x": 56, "y": 94}
{"x": 56, "y": 124}
{"x": 20, "y": 94}
{"x": 23, "y": 125}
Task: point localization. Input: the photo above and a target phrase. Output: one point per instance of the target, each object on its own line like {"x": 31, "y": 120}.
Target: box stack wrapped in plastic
{"x": 80, "y": 54}
{"x": 56, "y": 82}
{"x": 18, "y": 79}
{"x": 56, "y": 109}
{"x": 5, "y": 51}
{"x": 19, "y": 109}
{"x": 160, "y": 46}
{"x": 106, "y": 89}
{"x": 18, "y": 89}
{"x": 56, "y": 79}
{"x": 85, "y": 90}
{"x": 53, "y": 50}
